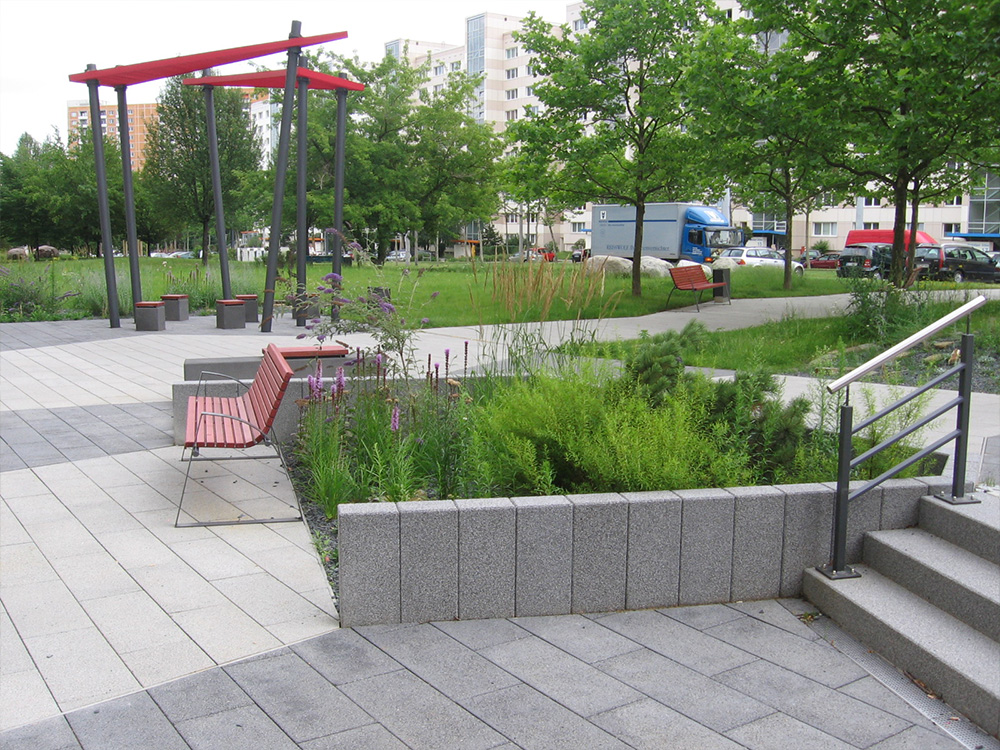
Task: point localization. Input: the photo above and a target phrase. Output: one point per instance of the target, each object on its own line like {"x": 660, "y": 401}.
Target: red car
{"x": 826, "y": 260}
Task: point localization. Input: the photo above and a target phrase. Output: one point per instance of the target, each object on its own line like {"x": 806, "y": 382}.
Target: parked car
{"x": 527, "y": 254}
{"x": 826, "y": 260}
{"x": 757, "y": 256}
{"x": 578, "y": 256}
{"x": 872, "y": 259}
{"x": 956, "y": 261}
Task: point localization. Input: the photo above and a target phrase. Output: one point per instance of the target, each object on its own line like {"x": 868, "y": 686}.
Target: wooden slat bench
{"x": 237, "y": 422}
{"x": 692, "y": 279}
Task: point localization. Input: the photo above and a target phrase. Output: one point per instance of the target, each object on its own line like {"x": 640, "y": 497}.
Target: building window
{"x": 824, "y": 229}
{"x": 952, "y": 229}
{"x": 870, "y": 225}
{"x": 510, "y": 115}
{"x": 438, "y": 88}
{"x": 872, "y": 201}
{"x": 956, "y": 201}
{"x": 512, "y": 218}
{"x": 456, "y": 65}
{"x": 579, "y": 226}
{"x": 530, "y": 110}
{"x": 511, "y": 52}
{"x": 511, "y": 73}
{"x": 529, "y": 91}
{"x": 579, "y": 24}
{"x": 529, "y": 70}
{"x": 439, "y": 69}
{"x": 511, "y": 94}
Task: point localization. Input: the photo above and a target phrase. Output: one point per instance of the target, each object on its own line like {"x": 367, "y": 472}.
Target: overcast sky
{"x": 43, "y": 42}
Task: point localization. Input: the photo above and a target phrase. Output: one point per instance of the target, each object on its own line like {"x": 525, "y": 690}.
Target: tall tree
{"x": 177, "y": 169}
{"x": 904, "y": 85}
{"x": 612, "y": 122}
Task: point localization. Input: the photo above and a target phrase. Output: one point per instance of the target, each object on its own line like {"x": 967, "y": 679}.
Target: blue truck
{"x": 671, "y": 231}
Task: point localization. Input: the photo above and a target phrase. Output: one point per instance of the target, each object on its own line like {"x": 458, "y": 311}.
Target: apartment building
{"x": 139, "y": 118}
{"x": 507, "y": 94}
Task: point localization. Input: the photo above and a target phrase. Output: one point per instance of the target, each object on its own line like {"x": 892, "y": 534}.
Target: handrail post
{"x": 957, "y": 496}
{"x": 838, "y": 567}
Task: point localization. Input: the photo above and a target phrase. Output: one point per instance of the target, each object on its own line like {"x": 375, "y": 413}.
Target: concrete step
{"x": 959, "y": 582}
{"x": 975, "y": 527}
{"x": 953, "y": 659}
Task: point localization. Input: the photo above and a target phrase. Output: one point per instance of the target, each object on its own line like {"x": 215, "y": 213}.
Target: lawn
{"x": 468, "y": 293}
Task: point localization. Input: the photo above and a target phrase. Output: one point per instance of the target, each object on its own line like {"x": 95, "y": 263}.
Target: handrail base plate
{"x": 970, "y": 499}
{"x": 836, "y": 575}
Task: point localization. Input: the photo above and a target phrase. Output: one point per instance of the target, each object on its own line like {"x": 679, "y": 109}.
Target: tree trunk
{"x": 789, "y": 213}
{"x": 640, "y": 215}
{"x": 899, "y": 193}
{"x": 204, "y": 241}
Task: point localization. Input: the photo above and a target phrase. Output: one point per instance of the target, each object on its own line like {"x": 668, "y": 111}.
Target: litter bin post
{"x": 721, "y": 293}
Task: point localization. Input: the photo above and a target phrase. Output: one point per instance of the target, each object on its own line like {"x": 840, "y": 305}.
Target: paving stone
{"x": 368, "y": 543}
{"x": 919, "y": 738}
{"x": 757, "y": 532}
{"x": 654, "y": 548}
{"x": 290, "y": 692}
{"x": 49, "y": 734}
{"x": 600, "y": 550}
{"x": 428, "y": 560}
{"x": 581, "y": 637}
{"x": 209, "y": 692}
{"x": 874, "y": 693}
{"x": 480, "y": 634}
{"x": 544, "y": 556}
{"x": 246, "y": 726}
{"x": 440, "y": 660}
{"x": 706, "y": 546}
{"x": 486, "y": 552}
{"x": 676, "y": 641}
{"x": 128, "y": 722}
{"x": 648, "y": 725}
{"x": 781, "y": 732}
{"x": 815, "y": 659}
{"x": 535, "y": 721}
{"x": 33, "y": 701}
{"x": 827, "y": 710}
{"x": 773, "y": 612}
{"x": 574, "y": 684}
{"x": 370, "y": 737}
{"x": 419, "y": 715}
{"x": 700, "y": 698}
{"x": 225, "y": 632}
{"x": 702, "y": 616}
{"x": 343, "y": 656}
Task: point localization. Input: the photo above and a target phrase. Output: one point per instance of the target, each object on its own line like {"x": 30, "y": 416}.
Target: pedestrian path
{"x": 103, "y": 599}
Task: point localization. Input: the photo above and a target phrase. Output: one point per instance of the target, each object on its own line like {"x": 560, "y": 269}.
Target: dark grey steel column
{"x": 103, "y": 210}
{"x": 132, "y": 238}
{"x": 338, "y": 181}
{"x": 301, "y": 224}
{"x": 220, "y": 219}
{"x": 281, "y": 169}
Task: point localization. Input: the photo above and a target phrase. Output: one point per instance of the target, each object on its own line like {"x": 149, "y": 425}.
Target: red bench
{"x": 237, "y": 422}
{"x": 692, "y": 279}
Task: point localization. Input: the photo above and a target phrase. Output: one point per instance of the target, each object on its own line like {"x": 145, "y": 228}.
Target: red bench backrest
{"x": 269, "y": 385}
{"x": 687, "y": 275}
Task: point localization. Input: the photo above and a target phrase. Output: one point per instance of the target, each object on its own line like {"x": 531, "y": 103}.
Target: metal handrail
{"x": 906, "y": 344}
{"x": 838, "y": 567}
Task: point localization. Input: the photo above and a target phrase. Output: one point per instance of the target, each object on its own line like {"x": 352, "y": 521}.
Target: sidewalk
{"x": 103, "y": 599}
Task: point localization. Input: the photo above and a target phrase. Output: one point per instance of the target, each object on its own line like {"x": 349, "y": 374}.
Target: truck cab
{"x": 706, "y": 233}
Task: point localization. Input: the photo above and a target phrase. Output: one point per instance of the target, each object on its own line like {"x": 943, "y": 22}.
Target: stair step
{"x": 975, "y": 527}
{"x": 959, "y": 582}
{"x": 953, "y": 659}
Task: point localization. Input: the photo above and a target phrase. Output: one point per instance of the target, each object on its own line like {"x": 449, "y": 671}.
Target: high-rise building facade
{"x": 140, "y": 116}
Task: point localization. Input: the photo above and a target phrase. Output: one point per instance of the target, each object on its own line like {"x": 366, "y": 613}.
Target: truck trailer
{"x": 671, "y": 231}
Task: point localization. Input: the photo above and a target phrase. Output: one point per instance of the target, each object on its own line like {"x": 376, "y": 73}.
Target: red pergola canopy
{"x": 125, "y": 75}
{"x": 275, "y": 79}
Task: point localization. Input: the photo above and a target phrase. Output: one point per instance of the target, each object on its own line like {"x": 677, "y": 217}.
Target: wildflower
{"x": 341, "y": 382}
{"x": 301, "y": 336}
{"x": 394, "y": 425}
{"x": 387, "y": 307}
{"x": 424, "y": 321}
{"x": 335, "y": 278}
{"x": 435, "y": 294}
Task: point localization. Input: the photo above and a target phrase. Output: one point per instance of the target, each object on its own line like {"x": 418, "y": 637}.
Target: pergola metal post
{"x": 220, "y": 219}
{"x": 130, "y": 232}
{"x": 301, "y": 225}
{"x": 102, "y": 201}
{"x": 338, "y": 180}
{"x": 281, "y": 169}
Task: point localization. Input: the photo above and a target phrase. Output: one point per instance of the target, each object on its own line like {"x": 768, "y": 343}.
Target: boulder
{"x": 725, "y": 263}
{"x": 655, "y": 267}
{"x": 609, "y": 265}
{"x": 705, "y": 268}
{"x": 18, "y": 253}
{"x": 46, "y": 251}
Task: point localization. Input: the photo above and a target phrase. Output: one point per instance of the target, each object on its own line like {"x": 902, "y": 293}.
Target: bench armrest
{"x": 220, "y": 376}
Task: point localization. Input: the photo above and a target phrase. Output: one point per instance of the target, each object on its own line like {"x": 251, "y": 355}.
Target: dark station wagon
{"x": 955, "y": 261}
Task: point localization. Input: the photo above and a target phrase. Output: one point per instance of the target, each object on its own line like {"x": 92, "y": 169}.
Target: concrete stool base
{"x": 150, "y": 316}
{"x": 229, "y": 314}
{"x": 176, "y": 306}
{"x": 249, "y": 306}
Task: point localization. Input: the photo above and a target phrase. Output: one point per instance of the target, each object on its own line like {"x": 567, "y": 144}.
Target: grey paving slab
{"x": 478, "y": 635}
{"x": 418, "y": 714}
{"x": 918, "y": 738}
{"x": 246, "y": 726}
{"x": 127, "y": 722}
{"x": 289, "y": 691}
{"x": 370, "y": 737}
{"x": 210, "y": 692}
{"x": 533, "y": 720}
{"x": 344, "y": 656}
{"x": 572, "y": 683}
{"x": 648, "y": 725}
{"x": 581, "y": 637}
{"x": 779, "y": 731}
{"x": 439, "y": 659}
{"x": 49, "y": 734}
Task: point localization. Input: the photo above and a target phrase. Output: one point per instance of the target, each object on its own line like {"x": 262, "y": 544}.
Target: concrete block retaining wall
{"x": 522, "y": 556}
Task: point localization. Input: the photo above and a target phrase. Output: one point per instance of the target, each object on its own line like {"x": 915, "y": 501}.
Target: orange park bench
{"x": 237, "y": 422}
{"x": 692, "y": 279}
